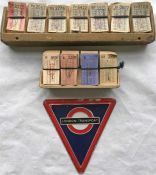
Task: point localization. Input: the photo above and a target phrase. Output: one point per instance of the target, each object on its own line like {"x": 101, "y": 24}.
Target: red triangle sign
{"x": 80, "y": 123}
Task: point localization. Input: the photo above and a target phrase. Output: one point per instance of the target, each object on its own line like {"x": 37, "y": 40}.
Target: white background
{"x": 29, "y": 143}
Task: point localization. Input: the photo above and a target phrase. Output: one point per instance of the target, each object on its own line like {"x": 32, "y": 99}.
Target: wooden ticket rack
{"x": 75, "y": 38}
{"x": 58, "y": 69}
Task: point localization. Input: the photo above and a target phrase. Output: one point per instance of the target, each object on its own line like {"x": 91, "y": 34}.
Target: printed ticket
{"x": 90, "y": 77}
{"x": 99, "y": 25}
{"x": 57, "y": 11}
{"x": 17, "y": 9}
{"x": 99, "y": 10}
{"x": 36, "y": 25}
{"x": 141, "y": 9}
{"x": 51, "y": 76}
{"x": 57, "y": 25}
{"x": 108, "y": 76}
{"x": 89, "y": 60}
{"x": 142, "y": 24}
{"x": 36, "y": 10}
{"x": 79, "y": 25}
{"x": 69, "y": 76}
{"x": 16, "y": 24}
{"x": 79, "y": 10}
{"x": 69, "y": 60}
{"x": 51, "y": 60}
{"x": 120, "y": 25}
{"x": 120, "y": 9}
{"x": 108, "y": 59}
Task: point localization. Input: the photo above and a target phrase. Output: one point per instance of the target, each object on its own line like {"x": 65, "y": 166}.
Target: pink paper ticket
{"x": 16, "y": 24}
{"x": 17, "y": 9}
{"x": 69, "y": 61}
{"x": 68, "y": 76}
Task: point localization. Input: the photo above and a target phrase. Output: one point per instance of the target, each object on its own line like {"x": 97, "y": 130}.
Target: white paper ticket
{"x": 108, "y": 59}
{"x": 79, "y": 25}
{"x": 142, "y": 24}
{"x": 79, "y": 10}
{"x": 120, "y": 9}
{"x": 16, "y": 24}
{"x": 141, "y": 9}
{"x": 57, "y": 11}
{"x": 99, "y": 25}
{"x": 36, "y": 25}
{"x": 120, "y": 25}
{"x": 51, "y": 60}
{"x": 99, "y": 10}
{"x": 108, "y": 76}
{"x": 51, "y": 77}
{"x": 57, "y": 25}
{"x": 36, "y": 10}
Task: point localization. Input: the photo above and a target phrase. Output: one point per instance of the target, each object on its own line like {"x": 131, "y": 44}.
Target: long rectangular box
{"x": 69, "y": 38}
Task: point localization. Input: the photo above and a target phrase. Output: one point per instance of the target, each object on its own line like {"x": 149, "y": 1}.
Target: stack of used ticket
{"x": 141, "y": 12}
{"x": 37, "y": 17}
{"x": 51, "y": 67}
{"x": 16, "y": 16}
{"x": 57, "y": 15}
{"x": 89, "y": 61}
{"x": 69, "y": 67}
{"x": 99, "y": 17}
{"x": 120, "y": 13}
{"x": 60, "y": 68}
{"x": 79, "y": 18}
{"x": 108, "y": 70}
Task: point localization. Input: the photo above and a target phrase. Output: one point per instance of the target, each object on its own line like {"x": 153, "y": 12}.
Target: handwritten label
{"x": 142, "y": 24}
{"x": 36, "y": 25}
{"x": 57, "y": 11}
{"x": 79, "y": 25}
{"x": 120, "y": 25}
{"x": 79, "y": 10}
{"x": 120, "y": 9}
{"x": 16, "y": 25}
{"x": 99, "y": 25}
{"x": 99, "y": 10}
{"x": 69, "y": 76}
{"x": 51, "y": 77}
{"x": 17, "y": 9}
{"x": 36, "y": 10}
{"x": 141, "y": 9}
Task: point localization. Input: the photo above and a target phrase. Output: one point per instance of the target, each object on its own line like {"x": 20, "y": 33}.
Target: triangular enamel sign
{"x": 80, "y": 123}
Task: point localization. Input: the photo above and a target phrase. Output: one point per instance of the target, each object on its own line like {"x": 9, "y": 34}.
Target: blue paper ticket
{"x": 89, "y": 77}
{"x": 88, "y": 60}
